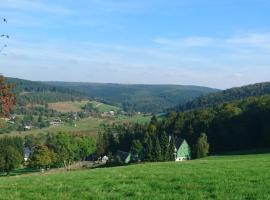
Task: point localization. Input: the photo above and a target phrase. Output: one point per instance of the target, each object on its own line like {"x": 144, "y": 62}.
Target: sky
{"x": 218, "y": 44}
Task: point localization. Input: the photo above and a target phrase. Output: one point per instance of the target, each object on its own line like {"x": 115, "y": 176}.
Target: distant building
{"x": 112, "y": 113}
{"x": 56, "y": 122}
{"x": 27, "y": 153}
{"x": 182, "y": 150}
{"x": 27, "y": 127}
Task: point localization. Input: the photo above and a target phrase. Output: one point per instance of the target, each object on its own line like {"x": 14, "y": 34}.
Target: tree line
{"x": 150, "y": 142}
{"x": 236, "y": 126}
{"x": 45, "y": 151}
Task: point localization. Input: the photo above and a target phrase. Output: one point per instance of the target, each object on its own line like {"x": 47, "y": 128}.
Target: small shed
{"x": 182, "y": 150}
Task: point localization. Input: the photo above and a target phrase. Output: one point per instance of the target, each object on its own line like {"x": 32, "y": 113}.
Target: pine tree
{"x": 148, "y": 147}
{"x": 171, "y": 151}
{"x": 164, "y": 143}
{"x": 157, "y": 150}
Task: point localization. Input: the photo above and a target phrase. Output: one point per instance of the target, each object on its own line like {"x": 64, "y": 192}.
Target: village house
{"x": 182, "y": 150}
{"x": 56, "y": 122}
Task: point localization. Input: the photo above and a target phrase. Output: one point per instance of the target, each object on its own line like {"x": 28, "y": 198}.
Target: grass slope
{"x": 67, "y": 106}
{"x": 225, "y": 177}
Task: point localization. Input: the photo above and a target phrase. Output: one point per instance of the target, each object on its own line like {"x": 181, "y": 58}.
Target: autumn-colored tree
{"x": 7, "y": 97}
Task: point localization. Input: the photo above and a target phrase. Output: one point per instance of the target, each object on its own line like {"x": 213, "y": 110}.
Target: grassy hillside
{"x": 228, "y": 177}
{"x": 67, "y": 106}
{"x": 144, "y": 98}
{"x": 232, "y": 94}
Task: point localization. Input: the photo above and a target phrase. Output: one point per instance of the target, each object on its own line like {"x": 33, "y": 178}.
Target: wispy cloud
{"x": 34, "y": 6}
{"x": 186, "y": 42}
{"x": 217, "y": 61}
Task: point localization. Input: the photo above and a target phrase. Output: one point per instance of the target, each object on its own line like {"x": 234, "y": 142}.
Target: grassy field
{"x": 67, "y": 106}
{"x": 104, "y": 107}
{"x": 224, "y": 177}
{"x": 70, "y": 106}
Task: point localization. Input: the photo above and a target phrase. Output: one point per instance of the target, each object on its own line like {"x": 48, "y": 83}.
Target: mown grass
{"x": 68, "y": 106}
{"x": 225, "y": 177}
{"x": 75, "y": 106}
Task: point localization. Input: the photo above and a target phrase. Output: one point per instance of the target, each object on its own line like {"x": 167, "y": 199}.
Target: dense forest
{"x": 32, "y": 92}
{"x": 232, "y": 94}
{"x": 140, "y": 98}
{"x": 236, "y": 126}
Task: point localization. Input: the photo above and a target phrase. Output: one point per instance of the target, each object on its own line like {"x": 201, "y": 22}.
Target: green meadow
{"x": 222, "y": 177}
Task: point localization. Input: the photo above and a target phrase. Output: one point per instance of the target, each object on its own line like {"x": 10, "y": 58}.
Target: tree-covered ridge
{"x": 232, "y": 94}
{"x": 237, "y": 126}
{"x": 33, "y": 92}
{"x": 143, "y": 98}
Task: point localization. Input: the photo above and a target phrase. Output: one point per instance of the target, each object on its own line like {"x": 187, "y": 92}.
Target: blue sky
{"x": 219, "y": 44}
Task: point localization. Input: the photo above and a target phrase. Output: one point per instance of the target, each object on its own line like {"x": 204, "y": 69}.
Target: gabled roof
{"x": 178, "y": 142}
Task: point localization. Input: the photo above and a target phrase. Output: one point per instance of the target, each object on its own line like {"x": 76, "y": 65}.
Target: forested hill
{"x": 143, "y": 98}
{"x": 237, "y": 93}
{"x": 33, "y": 92}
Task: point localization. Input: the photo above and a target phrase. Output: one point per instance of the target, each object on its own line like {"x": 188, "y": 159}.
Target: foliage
{"x": 136, "y": 147}
{"x": 32, "y": 92}
{"x": 215, "y": 99}
{"x": 10, "y": 158}
{"x": 143, "y": 98}
{"x": 202, "y": 146}
{"x": 41, "y": 157}
{"x": 234, "y": 126}
{"x": 7, "y": 97}
{"x": 68, "y": 148}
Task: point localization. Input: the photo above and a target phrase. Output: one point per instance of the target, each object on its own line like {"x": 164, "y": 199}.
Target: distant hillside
{"x": 237, "y": 93}
{"x": 144, "y": 98}
{"x": 33, "y": 92}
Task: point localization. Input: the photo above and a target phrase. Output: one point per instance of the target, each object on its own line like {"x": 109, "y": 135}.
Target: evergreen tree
{"x": 101, "y": 145}
{"x": 164, "y": 143}
{"x": 171, "y": 151}
{"x": 136, "y": 147}
{"x": 156, "y": 153}
{"x": 148, "y": 147}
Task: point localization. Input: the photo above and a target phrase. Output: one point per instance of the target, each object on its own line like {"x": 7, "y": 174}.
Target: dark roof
{"x": 178, "y": 142}
{"x": 122, "y": 154}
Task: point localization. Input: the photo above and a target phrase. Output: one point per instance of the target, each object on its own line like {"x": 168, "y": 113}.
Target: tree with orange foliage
{"x": 7, "y": 97}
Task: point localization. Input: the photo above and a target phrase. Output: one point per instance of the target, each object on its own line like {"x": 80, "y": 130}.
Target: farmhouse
{"x": 182, "y": 150}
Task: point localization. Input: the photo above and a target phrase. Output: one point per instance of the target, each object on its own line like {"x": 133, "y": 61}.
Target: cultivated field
{"x": 225, "y": 177}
